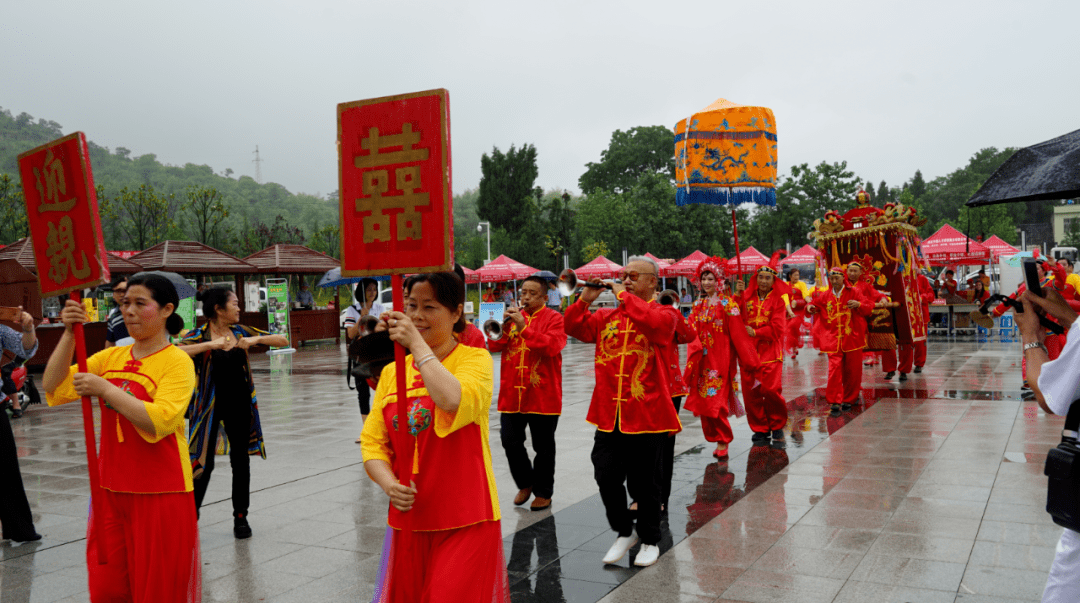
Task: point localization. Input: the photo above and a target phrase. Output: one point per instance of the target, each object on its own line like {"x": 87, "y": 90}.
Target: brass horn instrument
{"x": 668, "y": 297}
{"x": 569, "y": 283}
{"x": 493, "y": 329}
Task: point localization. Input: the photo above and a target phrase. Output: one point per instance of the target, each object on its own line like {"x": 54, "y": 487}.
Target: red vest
{"x": 844, "y": 329}
{"x": 531, "y": 375}
{"x": 631, "y": 380}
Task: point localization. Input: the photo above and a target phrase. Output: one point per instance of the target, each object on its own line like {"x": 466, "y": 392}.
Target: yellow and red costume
{"x": 766, "y": 409}
{"x": 530, "y": 396}
{"x": 843, "y": 338}
{"x": 448, "y": 547}
{"x": 149, "y": 524}
{"x": 631, "y": 406}
{"x": 710, "y": 365}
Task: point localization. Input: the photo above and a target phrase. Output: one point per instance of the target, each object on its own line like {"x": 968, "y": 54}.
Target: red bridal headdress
{"x": 716, "y": 266}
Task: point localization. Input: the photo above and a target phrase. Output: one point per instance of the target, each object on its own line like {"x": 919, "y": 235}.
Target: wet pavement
{"x": 932, "y": 490}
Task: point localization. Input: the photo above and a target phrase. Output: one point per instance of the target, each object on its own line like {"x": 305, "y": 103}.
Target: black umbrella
{"x": 1046, "y": 171}
{"x": 183, "y": 288}
{"x": 547, "y": 275}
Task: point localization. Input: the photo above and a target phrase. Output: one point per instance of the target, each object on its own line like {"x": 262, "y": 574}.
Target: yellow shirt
{"x": 133, "y": 460}
{"x": 1074, "y": 280}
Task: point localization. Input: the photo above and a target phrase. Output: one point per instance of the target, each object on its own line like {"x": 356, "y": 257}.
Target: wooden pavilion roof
{"x": 191, "y": 257}
{"x": 285, "y": 258}
{"x": 22, "y": 251}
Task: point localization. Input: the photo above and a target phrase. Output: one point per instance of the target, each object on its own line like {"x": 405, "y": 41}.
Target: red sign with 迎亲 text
{"x": 395, "y": 184}
{"x": 62, "y": 212}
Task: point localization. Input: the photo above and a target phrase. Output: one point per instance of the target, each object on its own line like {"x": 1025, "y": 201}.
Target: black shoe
{"x": 1027, "y": 395}
{"x": 845, "y": 406}
{"x": 890, "y": 375}
{"x": 778, "y": 435}
{"x": 760, "y": 439}
{"x": 16, "y": 413}
{"x": 835, "y": 410}
{"x": 31, "y": 538}
{"x": 778, "y": 444}
{"x": 918, "y": 369}
{"x": 903, "y": 376}
{"x": 241, "y": 529}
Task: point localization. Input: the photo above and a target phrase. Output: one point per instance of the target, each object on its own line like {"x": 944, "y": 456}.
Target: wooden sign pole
{"x": 96, "y": 500}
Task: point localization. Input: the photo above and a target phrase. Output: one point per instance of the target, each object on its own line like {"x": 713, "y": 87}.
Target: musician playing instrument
{"x": 530, "y": 390}
{"x": 631, "y": 403}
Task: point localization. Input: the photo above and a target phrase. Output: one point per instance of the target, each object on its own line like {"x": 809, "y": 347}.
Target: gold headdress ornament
{"x": 717, "y": 266}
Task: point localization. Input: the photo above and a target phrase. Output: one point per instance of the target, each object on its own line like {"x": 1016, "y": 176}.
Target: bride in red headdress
{"x": 710, "y": 368}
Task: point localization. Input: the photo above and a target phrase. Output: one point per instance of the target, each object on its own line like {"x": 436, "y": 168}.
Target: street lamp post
{"x": 480, "y": 228}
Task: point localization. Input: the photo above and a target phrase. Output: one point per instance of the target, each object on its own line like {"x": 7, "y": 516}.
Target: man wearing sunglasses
{"x": 631, "y": 403}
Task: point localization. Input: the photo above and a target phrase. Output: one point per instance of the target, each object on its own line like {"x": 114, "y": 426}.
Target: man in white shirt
{"x": 1056, "y": 384}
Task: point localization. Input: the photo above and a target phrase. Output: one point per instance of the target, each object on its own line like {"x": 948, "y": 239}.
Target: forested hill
{"x": 235, "y": 214}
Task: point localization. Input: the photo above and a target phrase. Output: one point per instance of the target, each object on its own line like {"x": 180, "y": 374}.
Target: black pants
{"x": 540, "y": 473}
{"x": 18, "y": 523}
{"x": 236, "y": 414}
{"x": 634, "y": 460}
{"x": 363, "y": 395}
{"x": 667, "y": 460}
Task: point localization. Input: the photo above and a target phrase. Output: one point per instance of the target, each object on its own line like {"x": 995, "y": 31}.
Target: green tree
{"x": 137, "y": 218}
{"x": 13, "y": 224}
{"x": 259, "y": 235}
{"x": 802, "y": 197}
{"x": 917, "y": 185}
{"x": 630, "y": 155}
{"x": 1072, "y": 234}
{"x": 594, "y": 250}
{"x": 205, "y": 214}
{"x": 506, "y": 180}
{"x": 327, "y": 240}
{"x": 945, "y": 196}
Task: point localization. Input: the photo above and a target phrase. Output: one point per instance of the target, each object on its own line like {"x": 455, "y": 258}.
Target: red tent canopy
{"x": 471, "y": 276}
{"x": 687, "y": 266}
{"x": 805, "y": 255}
{"x": 999, "y": 248}
{"x": 665, "y": 265}
{"x": 751, "y": 259}
{"x": 503, "y": 269}
{"x": 601, "y": 267}
{"x": 949, "y": 246}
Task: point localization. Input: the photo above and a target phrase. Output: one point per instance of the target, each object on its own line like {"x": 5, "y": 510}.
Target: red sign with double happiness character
{"x": 395, "y": 184}
{"x": 62, "y": 211}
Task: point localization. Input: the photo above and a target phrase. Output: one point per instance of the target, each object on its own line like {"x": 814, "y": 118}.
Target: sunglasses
{"x": 632, "y": 275}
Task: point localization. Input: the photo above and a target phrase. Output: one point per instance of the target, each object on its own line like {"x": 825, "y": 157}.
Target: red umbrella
{"x": 950, "y": 246}
{"x": 601, "y": 267}
{"x": 503, "y": 269}
{"x": 687, "y": 266}
{"x": 805, "y": 255}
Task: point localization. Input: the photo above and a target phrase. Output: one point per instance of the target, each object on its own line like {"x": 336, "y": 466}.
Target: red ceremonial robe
{"x": 531, "y": 375}
{"x": 767, "y": 317}
{"x": 844, "y": 329}
{"x": 631, "y": 380}
{"x": 710, "y": 366}
{"x": 669, "y": 352}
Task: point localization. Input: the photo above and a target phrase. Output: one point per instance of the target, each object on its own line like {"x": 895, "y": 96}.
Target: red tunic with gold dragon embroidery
{"x": 768, "y": 317}
{"x": 710, "y": 367}
{"x": 844, "y": 329}
{"x": 631, "y": 379}
{"x": 531, "y": 375}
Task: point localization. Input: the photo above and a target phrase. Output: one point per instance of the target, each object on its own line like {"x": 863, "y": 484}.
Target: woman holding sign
{"x": 148, "y": 522}
{"x": 444, "y": 542}
{"x": 225, "y": 396}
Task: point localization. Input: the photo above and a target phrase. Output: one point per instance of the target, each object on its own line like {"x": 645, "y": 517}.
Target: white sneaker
{"x": 648, "y": 555}
{"x": 618, "y": 550}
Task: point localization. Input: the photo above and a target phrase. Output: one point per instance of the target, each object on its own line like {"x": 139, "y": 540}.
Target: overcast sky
{"x": 889, "y": 87}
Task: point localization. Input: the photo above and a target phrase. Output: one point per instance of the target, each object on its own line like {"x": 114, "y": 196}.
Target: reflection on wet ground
{"x": 932, "y": 490}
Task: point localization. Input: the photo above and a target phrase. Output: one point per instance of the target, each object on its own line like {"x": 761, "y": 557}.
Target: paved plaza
{"x": 932, "y": 491}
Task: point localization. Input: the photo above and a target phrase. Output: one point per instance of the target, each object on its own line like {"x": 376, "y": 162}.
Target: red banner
{"x": 61, "y": 207}
{"x": 396, "y": 213}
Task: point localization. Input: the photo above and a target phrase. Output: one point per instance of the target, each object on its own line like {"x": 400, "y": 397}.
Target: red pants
{"x": 766, "y": 409}
{"x": 845, "y": 377}
{"x": 717, "y": 429}
{"x": 920, "y": 353}
{"x": 906, "y": 355}
{"x": 152, "y": 543}
{"x": 464, "y": 564}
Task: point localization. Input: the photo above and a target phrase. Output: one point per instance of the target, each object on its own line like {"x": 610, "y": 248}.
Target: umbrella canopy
{"x": 471, "y": 277}
{"x": 950, "y": 246}
{"x": 749, "y": 261}
{"x": 688, "y": 265}
{"x": 1018, "y": 258}
{"x": 726, "y": 155}
{"x": 1048, "y": 170}
{"x": 182, "y": 286}
{"x": 601, "y": 267}
{"x": 503, "y": 269}
{"x": 664, "y": 265}
{"x": 998, "y": 247}
{"x": 547, "y": 275}
{"x": 804, "y": 255}
{"x": 333, "y": 278}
